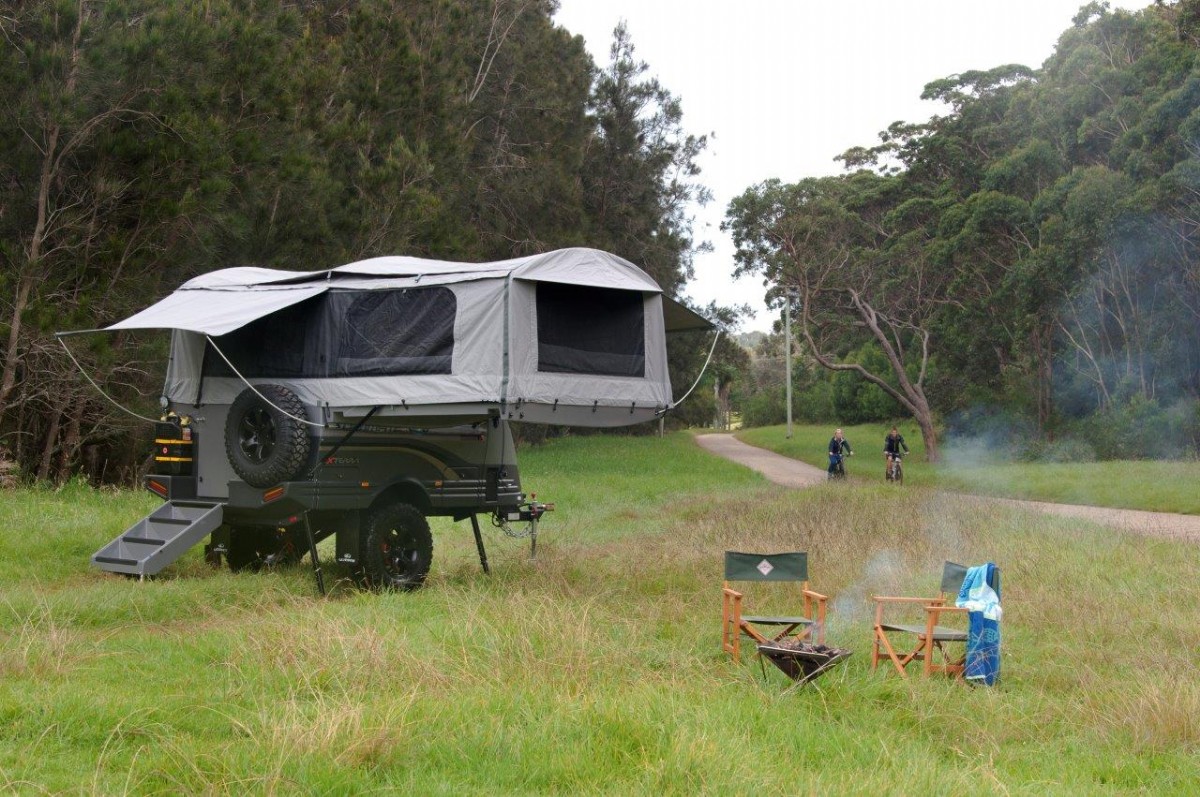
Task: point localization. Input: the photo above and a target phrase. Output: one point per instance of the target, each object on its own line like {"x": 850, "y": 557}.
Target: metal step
{"x": 160, "y": 538}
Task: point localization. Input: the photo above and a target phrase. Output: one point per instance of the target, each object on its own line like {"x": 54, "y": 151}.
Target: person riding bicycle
{"x": 838, "y": 447}
{"x": 892, "y": 446}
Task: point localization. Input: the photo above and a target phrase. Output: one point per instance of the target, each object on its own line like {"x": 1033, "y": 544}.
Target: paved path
{"x": 776, "y": 467}
{"x": 793, "y": 473}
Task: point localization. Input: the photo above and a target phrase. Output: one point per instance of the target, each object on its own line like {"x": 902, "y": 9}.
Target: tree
{"x": 832, "y": 241}
{"x": 147, "y": 141}
{"x": 639, "y": 171}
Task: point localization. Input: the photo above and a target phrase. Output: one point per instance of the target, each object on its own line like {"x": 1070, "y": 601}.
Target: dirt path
{"x": 793, "y": 473}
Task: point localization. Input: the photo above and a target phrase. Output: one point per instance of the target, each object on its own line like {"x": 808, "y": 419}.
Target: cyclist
{"x": 838, "y": 446}
{"x": 892, "y": 446}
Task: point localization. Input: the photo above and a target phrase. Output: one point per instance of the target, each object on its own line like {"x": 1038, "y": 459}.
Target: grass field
{"x": 597, "y": 669}
{"x": 1152, "y": 486}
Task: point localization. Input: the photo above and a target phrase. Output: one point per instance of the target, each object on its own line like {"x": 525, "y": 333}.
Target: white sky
{"x": 783, "y": 86}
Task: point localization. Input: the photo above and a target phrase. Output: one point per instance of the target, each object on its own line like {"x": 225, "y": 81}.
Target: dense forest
{"x": 147, "y": 141}
{"x": 1024, "y": 267}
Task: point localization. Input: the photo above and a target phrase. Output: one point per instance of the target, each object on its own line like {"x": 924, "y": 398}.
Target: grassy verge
{"x": 596, "y": 669}
{"x": 1151, "y": 486}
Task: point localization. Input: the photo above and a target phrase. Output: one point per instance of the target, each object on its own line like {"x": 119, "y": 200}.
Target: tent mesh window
{"x": 586, "y": 330}
{"x": 272, "y": 346}
{"x": 386, "y": 333}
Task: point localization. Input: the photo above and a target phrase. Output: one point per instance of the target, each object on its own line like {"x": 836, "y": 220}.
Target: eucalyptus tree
{"x": 839, "y": 243}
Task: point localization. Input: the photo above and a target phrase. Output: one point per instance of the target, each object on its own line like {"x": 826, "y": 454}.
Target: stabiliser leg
{"x": 479, "y": 544}
{"x": 312, "y": 552}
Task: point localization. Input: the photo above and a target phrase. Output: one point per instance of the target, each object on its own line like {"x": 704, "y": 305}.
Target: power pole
{"x": 787, "y": 355}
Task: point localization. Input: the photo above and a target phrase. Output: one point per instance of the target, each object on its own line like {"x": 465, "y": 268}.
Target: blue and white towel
{"x": 982, "y": 603}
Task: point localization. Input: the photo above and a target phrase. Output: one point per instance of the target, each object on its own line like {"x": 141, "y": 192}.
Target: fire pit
{"x": 803, "y": 661}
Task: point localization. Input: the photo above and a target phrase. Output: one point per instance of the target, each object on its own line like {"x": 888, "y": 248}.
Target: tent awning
{"x": 681, "y": 318}
{"x": 223, "y": 301}
{"x": 216, "y": 312}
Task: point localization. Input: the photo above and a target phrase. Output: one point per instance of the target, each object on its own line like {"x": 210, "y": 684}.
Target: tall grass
{"x": 1147, "y": 485}
{"x": 596, "y": 668}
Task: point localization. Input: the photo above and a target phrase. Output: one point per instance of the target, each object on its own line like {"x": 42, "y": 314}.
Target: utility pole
{"x": 787, "y": 355}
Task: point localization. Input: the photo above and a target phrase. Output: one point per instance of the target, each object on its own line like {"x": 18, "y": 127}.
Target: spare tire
{"x": 264, "y": 445}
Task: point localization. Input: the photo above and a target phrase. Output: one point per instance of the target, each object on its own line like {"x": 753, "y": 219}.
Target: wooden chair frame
{"x": 932, "y": 639}
{"x": 735, "y": 624}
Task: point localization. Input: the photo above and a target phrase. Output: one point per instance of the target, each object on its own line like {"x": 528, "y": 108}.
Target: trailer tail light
{"x": 157, "y": 487}
{"x": 273, "y": 494}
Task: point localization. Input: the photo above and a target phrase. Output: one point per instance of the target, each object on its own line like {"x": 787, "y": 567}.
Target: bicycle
{"x": 895, "y": 469}
{"x": 839, "y": 466}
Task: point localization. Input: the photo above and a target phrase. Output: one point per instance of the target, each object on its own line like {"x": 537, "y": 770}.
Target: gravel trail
{"x": 793, "y": 473}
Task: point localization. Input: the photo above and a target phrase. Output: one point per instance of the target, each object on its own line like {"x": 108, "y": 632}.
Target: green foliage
{"x": 764, "y": 408}
{"x": 855, "y": 400}
{"x": 1141, "y": 429}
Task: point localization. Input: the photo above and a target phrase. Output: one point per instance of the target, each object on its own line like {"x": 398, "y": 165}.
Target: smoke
{"x": 983, "y": 435}
{"x": 853, "y": 604}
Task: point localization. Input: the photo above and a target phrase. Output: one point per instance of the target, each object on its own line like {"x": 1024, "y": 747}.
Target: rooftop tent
{"x": 575, "y": 336}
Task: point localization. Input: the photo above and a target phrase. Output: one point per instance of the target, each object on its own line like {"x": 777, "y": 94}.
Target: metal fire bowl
{"x": 803, "y": 666}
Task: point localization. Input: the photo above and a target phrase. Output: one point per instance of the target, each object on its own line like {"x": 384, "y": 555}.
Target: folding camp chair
{"x": 930, "y": 637}
{"x": 768, "y": 567}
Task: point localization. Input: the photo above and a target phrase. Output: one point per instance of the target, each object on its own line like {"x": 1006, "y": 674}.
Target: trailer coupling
{"x": 528, "y": 513}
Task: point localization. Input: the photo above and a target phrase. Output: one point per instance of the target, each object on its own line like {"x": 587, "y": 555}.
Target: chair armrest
{"x": 883, "y": 600}
{"x": 819, "y": 620}
{"x": 892, "y": 599}
{"x": 934, "y": 613}
{"x": 733, "y": 593}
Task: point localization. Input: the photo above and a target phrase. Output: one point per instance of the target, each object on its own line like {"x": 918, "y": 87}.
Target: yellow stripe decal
{"x": 172, "y": 459}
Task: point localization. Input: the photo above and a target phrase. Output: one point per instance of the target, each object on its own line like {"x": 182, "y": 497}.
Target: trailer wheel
{"x": 265, "y": 446}
{"x": 397, "y": 549}
{"x": 253, "y": 549}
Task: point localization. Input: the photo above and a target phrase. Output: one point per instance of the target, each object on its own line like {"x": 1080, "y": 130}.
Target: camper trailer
{"x": 360, "y": 400}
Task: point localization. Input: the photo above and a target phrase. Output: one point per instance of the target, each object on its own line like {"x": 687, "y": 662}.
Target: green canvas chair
{"x": 933, "y": 644}
{"x": 758, "y": 567}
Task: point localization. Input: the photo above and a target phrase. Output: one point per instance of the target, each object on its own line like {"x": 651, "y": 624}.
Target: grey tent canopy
{"x": 575, "y": 336}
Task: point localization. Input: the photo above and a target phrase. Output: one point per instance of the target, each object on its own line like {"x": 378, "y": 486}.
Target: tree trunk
{"x": 70, "y": 444}
{"x": 43, "y": 471}
{"x": 929, "y": 436}
{"x": 9, "y": 379}
{"x": 1043, "y": 355}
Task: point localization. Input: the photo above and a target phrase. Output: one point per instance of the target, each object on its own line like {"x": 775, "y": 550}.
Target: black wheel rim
{"x": 397, "y": 554}
{"x": 256, "y": 435}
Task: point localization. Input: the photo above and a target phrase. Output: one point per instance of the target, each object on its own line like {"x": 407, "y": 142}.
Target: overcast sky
{"x": 783, "y": 86}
